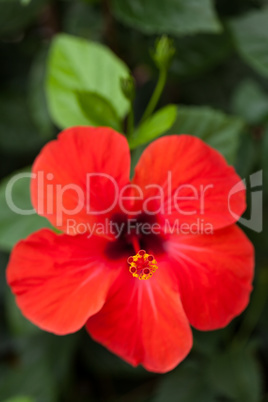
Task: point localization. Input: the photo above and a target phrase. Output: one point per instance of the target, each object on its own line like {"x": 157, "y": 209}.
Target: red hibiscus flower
{"x": 197, "y": 264}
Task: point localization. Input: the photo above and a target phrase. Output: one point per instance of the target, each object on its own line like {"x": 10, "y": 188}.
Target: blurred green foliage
{"x": 14, "y": 226}
{"x": 61, "y": 64}
{"x": 176, "y": 17}
{"x": 78, "y": 65}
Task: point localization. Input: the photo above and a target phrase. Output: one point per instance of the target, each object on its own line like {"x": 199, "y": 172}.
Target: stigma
{"x": 142, "y": 265}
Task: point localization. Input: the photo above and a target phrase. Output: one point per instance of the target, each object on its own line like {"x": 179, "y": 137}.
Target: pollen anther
{"x": 142, "y": 265}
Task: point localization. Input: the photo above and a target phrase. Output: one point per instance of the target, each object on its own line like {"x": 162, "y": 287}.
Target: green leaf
{"x": 235, "y": 375}
{"x": 79, "y": 65}
{"x": 32, "y": 374}
{"x": 17, "y": 323}
{"x": 247, "y": 155}
{"x": 154, "y": 126}
{"x": 64, "y": 348}
{"x": 83, "y": 19}
{"x": 185, "y": 384}
{"x": 15, "y": 16}
{"x": 250, "y": 102}
{"x": 251, "y": 38}
{"x": 197, "y": 54}
{"x": 103, "y": 362}
{"x": 207, "y": 343}
{"x": 214, "y": 127}
{"x": 98, "y": 110}
{"x": 178, "y": 17}
{"x": 13, "y": 226}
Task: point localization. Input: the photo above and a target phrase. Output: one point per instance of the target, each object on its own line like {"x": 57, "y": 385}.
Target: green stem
{"x": 156, "y": 95}
{"x": 130, "y": 122}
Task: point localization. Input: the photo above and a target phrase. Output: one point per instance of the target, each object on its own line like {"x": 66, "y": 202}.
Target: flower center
{"x": 142, "y": 265}
{"x": 133, "y": 235}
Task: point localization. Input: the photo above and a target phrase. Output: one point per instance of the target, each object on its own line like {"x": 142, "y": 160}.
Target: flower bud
{"x": 163, "y": 52}
{"x": 128, "y": 87}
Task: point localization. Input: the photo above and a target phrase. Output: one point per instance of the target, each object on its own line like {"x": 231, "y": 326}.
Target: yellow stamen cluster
{"x": 142, "y": 265}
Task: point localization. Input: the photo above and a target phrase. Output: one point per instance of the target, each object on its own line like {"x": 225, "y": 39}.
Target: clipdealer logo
{"x": 55, "y": 194}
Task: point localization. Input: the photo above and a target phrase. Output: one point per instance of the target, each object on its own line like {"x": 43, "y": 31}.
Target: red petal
{"x": 143, "y": 322}
{"x": 68, "y": 161}
{"x": 193, "y": 167}
{"x": 215, "y": 274}
{"x": 59, "y": 280}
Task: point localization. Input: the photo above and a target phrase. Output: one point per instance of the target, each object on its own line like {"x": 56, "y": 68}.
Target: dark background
{"x": 226, "y": 70}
